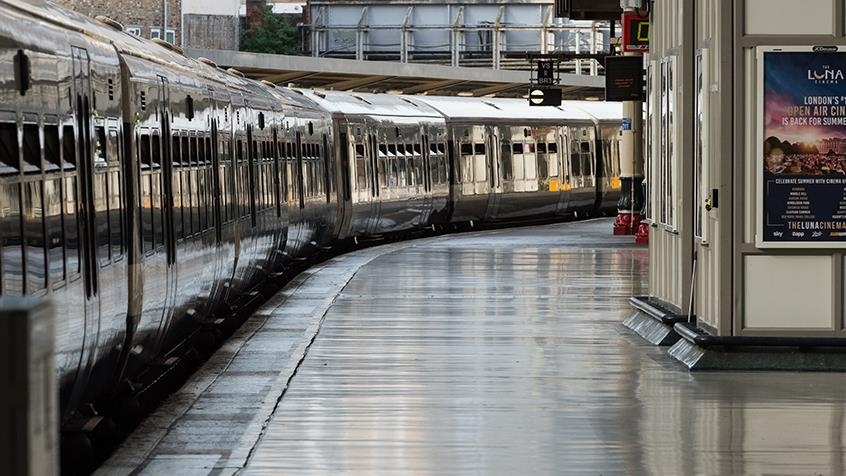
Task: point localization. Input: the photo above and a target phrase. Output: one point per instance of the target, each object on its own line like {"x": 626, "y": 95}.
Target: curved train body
{"x": 147, "y": 192}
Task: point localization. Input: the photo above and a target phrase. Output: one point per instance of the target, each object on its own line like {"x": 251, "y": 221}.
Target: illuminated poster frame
{"x": 801, "y": 147}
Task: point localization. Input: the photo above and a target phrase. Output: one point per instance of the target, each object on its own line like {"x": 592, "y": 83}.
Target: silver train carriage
{"x": 147, "y": 193}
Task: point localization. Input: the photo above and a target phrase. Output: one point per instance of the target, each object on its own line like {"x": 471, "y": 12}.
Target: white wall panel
{"x": 787, "y": 292}
{"x": 789, "y": 17}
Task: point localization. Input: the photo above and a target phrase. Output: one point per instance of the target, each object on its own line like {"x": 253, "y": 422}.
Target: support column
{"x": 630, "y": 204}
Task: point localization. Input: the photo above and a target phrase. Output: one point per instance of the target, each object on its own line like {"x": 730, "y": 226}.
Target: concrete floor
{"x": 485, "y": 353}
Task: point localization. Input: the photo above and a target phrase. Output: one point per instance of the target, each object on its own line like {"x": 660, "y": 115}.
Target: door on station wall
{"x": 705, "y": 283}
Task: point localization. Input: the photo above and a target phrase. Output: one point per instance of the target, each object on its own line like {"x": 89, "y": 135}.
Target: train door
{"x": 428, "y": 166}
{"x": 298, "y": 172}
{"x": 252, "y": 165}
{"x": 494, "y": 177}
{"x": 563, "y": 144}
{"x": 345, "y": 172}
{"x": 375, "y": 190}
{"x": 218, "y": 191}
{"x": 85, "y": 212}
{"x": 217, "y": 205}
{"x": 167, "y": 202}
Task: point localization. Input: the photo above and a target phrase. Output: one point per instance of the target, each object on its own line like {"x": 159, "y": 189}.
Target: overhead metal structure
{"x": 385, "y": 76}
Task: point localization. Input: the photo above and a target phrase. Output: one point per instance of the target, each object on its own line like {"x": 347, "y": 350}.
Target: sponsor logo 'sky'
{"x": 827, "y": 75}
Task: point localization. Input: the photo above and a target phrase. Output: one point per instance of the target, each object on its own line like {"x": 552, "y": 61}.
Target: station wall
{"x": 705, "y": 163}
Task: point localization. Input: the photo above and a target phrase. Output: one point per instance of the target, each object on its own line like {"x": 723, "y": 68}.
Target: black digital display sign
{"x": 635, "y": 33}
{"x": 624, "y": 78}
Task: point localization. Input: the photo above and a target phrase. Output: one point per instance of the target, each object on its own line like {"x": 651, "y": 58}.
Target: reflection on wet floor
{"x": 503, "y": 353}
{"x": 486, "y": 353}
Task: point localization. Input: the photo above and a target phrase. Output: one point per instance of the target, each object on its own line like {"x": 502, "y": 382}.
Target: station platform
{"x": 498, "y": 352}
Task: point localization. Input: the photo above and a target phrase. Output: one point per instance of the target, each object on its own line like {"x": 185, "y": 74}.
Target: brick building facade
{"x": 140, "y": 17}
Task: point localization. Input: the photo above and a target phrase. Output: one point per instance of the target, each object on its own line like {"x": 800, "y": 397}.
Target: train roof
{"x": 369, "y": 104}
{"x": 601, "y": 110}
{"x": 456, "y": 107}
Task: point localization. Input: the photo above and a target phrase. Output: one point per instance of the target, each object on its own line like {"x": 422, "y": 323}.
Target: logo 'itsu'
{"x": 826, "y": 76}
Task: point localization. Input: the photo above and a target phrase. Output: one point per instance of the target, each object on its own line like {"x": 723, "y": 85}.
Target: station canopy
{"x": 392, "y": 77}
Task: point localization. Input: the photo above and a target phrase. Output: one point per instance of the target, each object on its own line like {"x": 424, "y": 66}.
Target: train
{"x": 146, "y": 192}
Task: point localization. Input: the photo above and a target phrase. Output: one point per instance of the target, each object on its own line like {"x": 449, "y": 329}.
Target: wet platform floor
{"x": 486, "y": 353}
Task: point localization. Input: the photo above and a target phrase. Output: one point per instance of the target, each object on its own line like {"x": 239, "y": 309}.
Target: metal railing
{"x": 483, "y": 45}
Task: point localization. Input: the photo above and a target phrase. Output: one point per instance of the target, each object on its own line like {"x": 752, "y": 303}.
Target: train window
{"x": 101, "y": 147}
{"x": 200, "y": 178}
{"x": 68, "y": 148}
{"x": 144, "y": 151}
{"x": 517, "y": 147}
{"x": 222, "y": 179}
{"x": 506, "y": 162}
{"x": 178, "y": 196}
{"x": 517, "y": 166}
{"x": 55, "y": 234}
{"x": 543, "y": 164}
{"x": 239, "y": 179}
{"x": 175, "y": 151}
{"x": 415, "y": 164}
{"x": 52, "y": 149}
{"x": 72, "y": 264}
{"x": 202, "y": 199}
{"x": 272, "y": 173}
{"x": 587, "y": 158}
{"x": 552, "y": 150}
{"x": 157, "y": 210}
{"x": 33, "y": 241}
{"x": 360, "y": 168}
{"x": 195, "y": 151}
{"x": 11, "y": 251}
{"x": 436, "y": 153}
{"x": 191, "y": 214}
{"x": 31, "y": 149}
{"x": 181, "y": 212}
{"x": 9, "y": 158}
{"x": 200, "y": 150}
{"x": 115, "y": 198}
{"x": 575, "y": 160}
{"x": 156, "y": 152}
{"x": 530, "y": 162}
{"x": 318, "y": 174}
{"x": 185, "y": 146}
{"x": 267, "y": 174}
{"x": 466, "y": 163}
{"x": 403, "y": 172}
{"x": 306, "y": 174}
{"x": 102, "y": 237}
{"x": 480, "y": 170}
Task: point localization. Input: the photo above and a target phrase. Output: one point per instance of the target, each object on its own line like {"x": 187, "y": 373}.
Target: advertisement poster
{"x": 802, "y": 184}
